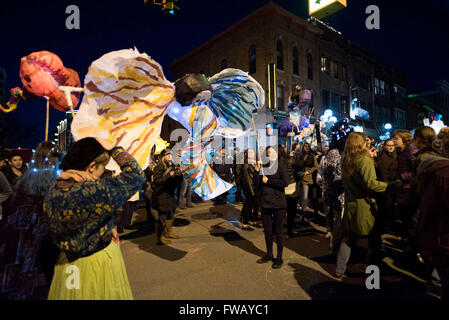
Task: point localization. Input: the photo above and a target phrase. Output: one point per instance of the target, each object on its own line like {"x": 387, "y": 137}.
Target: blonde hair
{"x": 355, "y": 147}
{"x": 406, "y": 137}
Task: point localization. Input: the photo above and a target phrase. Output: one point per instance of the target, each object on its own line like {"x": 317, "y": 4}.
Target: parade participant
{"x": 15, "y": 168}
{"x": 237, "y": 163}
{"x": 308, "y": 164}
{"x": 433, "y": 222}
{"x": 24, "y": 234}
{"x": 360, "y": 183}
{"x": 249, "y": 211}
{"x": 185, "y": 193}
{"x": 443, "y": 135}
{"x": 5, "y": 192}
{"x": 222, "y": 165}
{"x": 405, "y": 199}
{"x": 166, "y": 177}
{"x": 148, "y": 188}
{"x": 292, "y": 198}
{"x": 271, "y": 187}
{"x": 2, "y": 162}
{"x": 387, "y": 168}
{"x": 80, "y": 208}
{"x": 330, "y": 179}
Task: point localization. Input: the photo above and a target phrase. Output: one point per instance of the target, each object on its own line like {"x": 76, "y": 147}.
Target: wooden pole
{"x": 257, "y": 141}
{"x": 48, "y": 117}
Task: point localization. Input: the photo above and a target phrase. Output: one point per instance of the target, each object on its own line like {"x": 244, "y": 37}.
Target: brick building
{"x": 309, "y": 53}
{"x": 268, "y": 35}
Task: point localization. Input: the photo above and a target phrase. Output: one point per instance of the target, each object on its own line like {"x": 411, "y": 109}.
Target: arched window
{"x": 224, "y": 64}
{"x": 252, "y": 59}
{"x": 295, "y": 61}
{"x": 280, "y": 55}
{"x": 309, "y": 66}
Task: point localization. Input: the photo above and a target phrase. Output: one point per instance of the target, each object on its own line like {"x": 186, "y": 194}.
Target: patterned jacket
{"x": 330, "y": 178}
{"x": 81, "y": 215}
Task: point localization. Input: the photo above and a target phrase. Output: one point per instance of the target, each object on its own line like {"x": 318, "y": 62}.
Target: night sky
{"x": 413, "y": 37}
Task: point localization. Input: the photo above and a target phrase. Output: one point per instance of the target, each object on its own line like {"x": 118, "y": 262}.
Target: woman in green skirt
{"x": 80, "y": 208}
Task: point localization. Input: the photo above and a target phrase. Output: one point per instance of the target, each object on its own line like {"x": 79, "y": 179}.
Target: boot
{"x": 168, "y": 231}
{"x": 161, "y": 238}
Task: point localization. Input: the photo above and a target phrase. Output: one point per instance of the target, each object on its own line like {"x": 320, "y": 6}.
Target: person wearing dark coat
{"x": 15, "y": 168}
{"x": 222, "y": 165}
{"x": 292, "y": 199}
{"x": 405, "y": 199}
{"x": 166, "y": 177}
{"x": 271, "y": 182}
{"x": 237, "y": 171}
{"x": 387, "y": 170}
{"x": 148, "y": 185}
{"x": 248, "y": 171}
{"x": 28, "y": 256}
{"x": 433, "y": 220}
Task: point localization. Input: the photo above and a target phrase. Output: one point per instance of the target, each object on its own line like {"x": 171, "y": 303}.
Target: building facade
{"x": 429, "y": 104}
{"x": 342, "y": 76}
{"x": 269, "y": 35}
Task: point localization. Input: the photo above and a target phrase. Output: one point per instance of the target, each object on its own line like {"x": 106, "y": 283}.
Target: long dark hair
{"x": 282, "y": 155}
{"x": 245, "y": 157}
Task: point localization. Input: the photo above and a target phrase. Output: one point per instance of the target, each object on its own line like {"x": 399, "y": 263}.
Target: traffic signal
{"x": 169, "y": 7}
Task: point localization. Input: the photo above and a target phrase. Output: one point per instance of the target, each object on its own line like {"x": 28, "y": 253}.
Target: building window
{"x": 334, "y": 69}
{"x": 280, "y": 98}
{"x": 344, "y": 72}
{"x": 224, "y": 64}
{"x": 252, "y": 59}
{"x": 295, "y": 61}
{"x": 280, "y": 55}
{"x": 400, "y": 117}
{"x": 335, "y": 101}
{"x": 309, "y": 66}
{"x": 379, "y": 87}
{"x": 326, "y": 99}
{"x": 343, "y": 103}
{"x": 324, "y": 66}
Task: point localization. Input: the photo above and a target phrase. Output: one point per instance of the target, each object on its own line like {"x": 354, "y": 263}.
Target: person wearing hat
{"x": 81, "y": 211}
{"x": 166, "y": 177}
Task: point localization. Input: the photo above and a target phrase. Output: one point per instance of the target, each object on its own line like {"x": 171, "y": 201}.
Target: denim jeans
{"x": 185, "y": 196}
{"x": 344, "y": 253}
{"x": 304, "y": 195}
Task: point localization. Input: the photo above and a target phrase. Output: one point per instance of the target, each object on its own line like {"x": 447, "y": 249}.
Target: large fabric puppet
{"x": 295, "y": 123}
{"x": 42, "y": 73}
{"x": 127, "y": 97}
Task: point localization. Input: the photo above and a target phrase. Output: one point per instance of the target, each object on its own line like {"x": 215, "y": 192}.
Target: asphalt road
{"x": 216, "y": 260}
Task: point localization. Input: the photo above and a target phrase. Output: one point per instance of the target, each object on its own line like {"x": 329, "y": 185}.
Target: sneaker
{"x": 277, "y": 263}
{"x": 265, "y": 259}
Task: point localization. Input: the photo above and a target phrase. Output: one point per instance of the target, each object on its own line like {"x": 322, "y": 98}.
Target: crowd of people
{"x": 52, "y": 220}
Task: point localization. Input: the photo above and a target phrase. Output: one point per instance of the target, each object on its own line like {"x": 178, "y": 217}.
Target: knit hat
{"x": 81, "y": 154}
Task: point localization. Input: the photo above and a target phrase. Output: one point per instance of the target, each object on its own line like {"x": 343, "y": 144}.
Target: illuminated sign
{"x": 322, "y": 8}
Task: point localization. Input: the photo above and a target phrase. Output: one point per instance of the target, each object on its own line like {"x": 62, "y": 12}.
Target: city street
{"x": 216, "y": 260}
